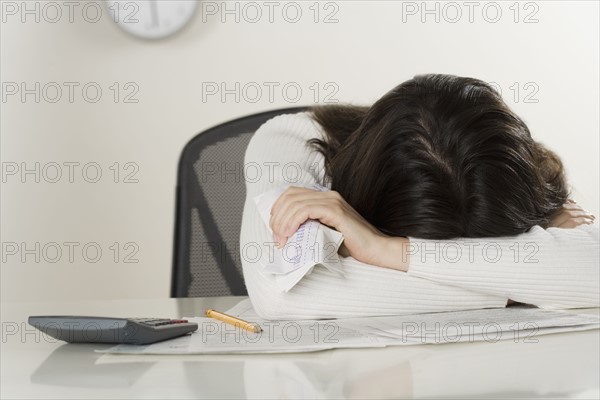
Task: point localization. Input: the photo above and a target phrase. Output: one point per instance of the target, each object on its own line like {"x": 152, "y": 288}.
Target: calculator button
{"x": 153, "y": 322}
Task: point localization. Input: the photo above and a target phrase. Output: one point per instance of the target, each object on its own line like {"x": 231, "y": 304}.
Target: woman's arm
{"x": 550, "y": 268}
{"x": 553, "y": 268}
{"x": 279, "y": 155}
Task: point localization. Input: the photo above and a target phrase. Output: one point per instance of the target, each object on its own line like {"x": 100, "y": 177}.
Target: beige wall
{"x": 366, "y": 53}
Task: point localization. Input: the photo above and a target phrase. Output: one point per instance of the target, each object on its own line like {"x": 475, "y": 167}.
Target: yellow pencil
{"x": 252, "y": 327}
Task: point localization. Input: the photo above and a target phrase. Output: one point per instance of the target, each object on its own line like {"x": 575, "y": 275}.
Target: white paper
{"x": 520, "y": 323}
{"x": 215, "y": 337}
{"x": 312, "y": 244}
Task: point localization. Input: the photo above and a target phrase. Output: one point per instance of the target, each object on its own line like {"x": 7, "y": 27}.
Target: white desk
{"x": 558, "y": 365}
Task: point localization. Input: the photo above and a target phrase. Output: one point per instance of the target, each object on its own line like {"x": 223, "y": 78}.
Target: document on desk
{"x": 517, "y": 323}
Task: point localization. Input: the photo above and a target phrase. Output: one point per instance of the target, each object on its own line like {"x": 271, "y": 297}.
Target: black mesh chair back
{"x": 210, "y": 199}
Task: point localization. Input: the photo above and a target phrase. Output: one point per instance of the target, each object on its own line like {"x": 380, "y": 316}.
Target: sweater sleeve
{"x": 551, "y": 268}
{"x": 278, "y": 154}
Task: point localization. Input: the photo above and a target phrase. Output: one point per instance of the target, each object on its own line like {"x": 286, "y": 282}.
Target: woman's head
{"x": 438, "y": 157}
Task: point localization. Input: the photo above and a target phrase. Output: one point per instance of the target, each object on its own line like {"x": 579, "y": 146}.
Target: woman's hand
{"x": 362, "y": 240}
{"x": 570, "y": 216}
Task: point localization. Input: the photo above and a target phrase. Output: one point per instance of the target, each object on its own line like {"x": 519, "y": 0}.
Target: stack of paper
{"x": 520, "y": 323}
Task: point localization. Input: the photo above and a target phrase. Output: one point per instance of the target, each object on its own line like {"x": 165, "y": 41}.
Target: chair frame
{"x": 192, "y": 196}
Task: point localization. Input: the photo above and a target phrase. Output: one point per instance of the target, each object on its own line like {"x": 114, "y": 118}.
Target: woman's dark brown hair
{"x": 438, "y": 157}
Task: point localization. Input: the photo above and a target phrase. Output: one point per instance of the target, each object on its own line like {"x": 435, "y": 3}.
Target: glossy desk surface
{"x": 558, "y": 365}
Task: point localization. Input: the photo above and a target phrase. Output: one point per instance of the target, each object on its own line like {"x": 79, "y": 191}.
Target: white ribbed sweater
{"x": 552, "y": 268}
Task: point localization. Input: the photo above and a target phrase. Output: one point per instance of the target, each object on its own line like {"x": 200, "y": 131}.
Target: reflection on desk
{"x": 74, "y": 365}
{"x": 558, "y": 365}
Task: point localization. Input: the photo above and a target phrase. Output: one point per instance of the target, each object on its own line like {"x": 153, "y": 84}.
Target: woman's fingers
{"x": 320, "y": 210}
{"x": 277, "y": 208}
{"x": 293, "y": 207}
{"x": 281, "y": 206}
{"x": 572, "y": 206}
{"x": 574, "y": 222}
{"x": 290, "y": 193}
{"x": 575, "y": 206}
{"x": 296, "y": 216}
{"x": 289, "y": 223}
{"x": 562, "y": 220}
{"x": 571, "y": 215}
{"x": 296, "y": 205}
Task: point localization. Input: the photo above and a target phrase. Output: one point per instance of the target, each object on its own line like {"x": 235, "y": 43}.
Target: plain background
{"x": 366, "y": 53}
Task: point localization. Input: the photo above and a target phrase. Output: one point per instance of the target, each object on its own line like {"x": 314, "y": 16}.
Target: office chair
{"x": 210, "y": 197}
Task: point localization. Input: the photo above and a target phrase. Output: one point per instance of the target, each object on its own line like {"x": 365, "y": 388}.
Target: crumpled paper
{"x": 313, "y": 244}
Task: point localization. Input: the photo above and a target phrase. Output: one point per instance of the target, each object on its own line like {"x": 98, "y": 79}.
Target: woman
{"x": 444, "y": 200}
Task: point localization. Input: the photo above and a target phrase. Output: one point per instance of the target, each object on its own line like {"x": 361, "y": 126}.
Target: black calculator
{"x": 82, "y": 329}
